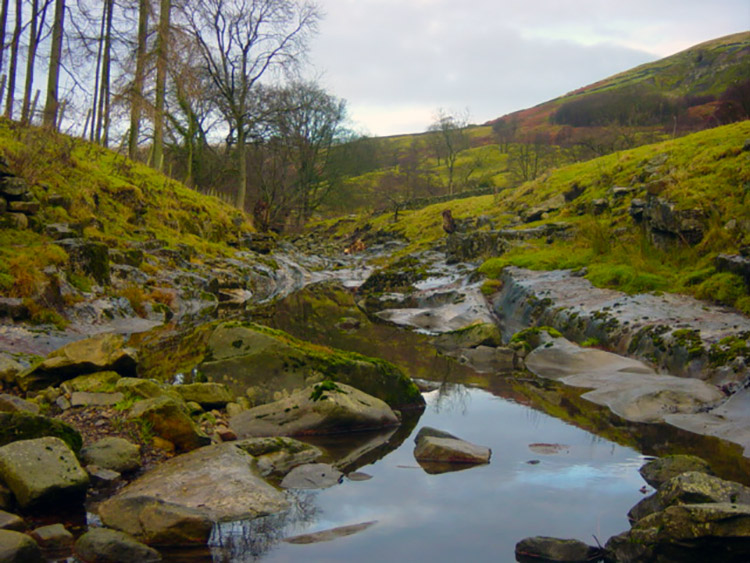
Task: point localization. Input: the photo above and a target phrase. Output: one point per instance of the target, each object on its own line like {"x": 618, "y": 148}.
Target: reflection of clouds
{"x": 608, "y": 478}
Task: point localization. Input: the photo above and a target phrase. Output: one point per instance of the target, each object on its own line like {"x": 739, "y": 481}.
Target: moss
{"x": 318, "y": 392}
{"x": 528, "y": 338}
{"x": 25, "y": 426}
{"x": 729, "y": 349}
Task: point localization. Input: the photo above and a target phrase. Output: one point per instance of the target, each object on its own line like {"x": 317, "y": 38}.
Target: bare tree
{"x": 3, "y": 25}
{"x": 240, "y": 41}
{"x": 35, "y": 34}
{"x": 13, "y": 69}
{"x": 52, "y": 103}
{"x": 450, "y": 129}
{"x": 162, "y": 48}
{"x": 136, "y": 101}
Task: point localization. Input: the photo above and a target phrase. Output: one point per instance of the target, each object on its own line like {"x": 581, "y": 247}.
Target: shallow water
{"x": 581, "y": 489}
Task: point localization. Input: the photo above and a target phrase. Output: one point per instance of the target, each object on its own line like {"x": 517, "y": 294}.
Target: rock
{"x": 553, "y": 549}
{"x": 25, "y": 207}
{"x": 487, "y": 359}
{"x": 692, "y": 487}
{"x": 11, "y": 403}
{"x": 156, "y": 522}
{"x": 169, "y": 419}
{"x": 221, "y": 481}
{"x": 103, "y": 352}
{"x": 117, "y": 454}
{"x": 26, "y": 426}
{"x": 14, "y": 308}
{"x": 272, "y": 362}
{"x": 143, "y": 388}
{"x": 276, "y": 456}
{"x": 689, "y": 533}
{"x": 17, "y": 221}
{"x": 102, "y": 545}
{"x": 450, "y": 450}
{"x": 734, "y": 263}
{"x": 312, "y": 476}
{"x": 10, "y": 521}
{"x": 42, "y": 472}
{"x": 660, "y": 470}
{"x": 207, "y": 395}
{"x": 13, "y": 187}
{"x": 323, "y": 408}
{"x": 6, "y": 498}
{"x": 84, "y": 399}
{"x": 99, "y": 382}
{"x": 599, "y": 206}
{"x": 9, "y": 368}
{"x": 537, "y": 212}
{"x": 59, "y": 231}
{"x": 225, "y": 434}
{"x": 16, "y": 547}
{"x": 88, "y": 257}
{"x": 478, "y": 334}
{"x": 103, "y": 478}
{"x": 427, "y": 431}
{"x": 669, "y": 224}
{"x": 53, "y": 538}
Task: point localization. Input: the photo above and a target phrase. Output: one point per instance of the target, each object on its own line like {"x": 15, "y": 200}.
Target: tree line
{"x": 211, "y": 92}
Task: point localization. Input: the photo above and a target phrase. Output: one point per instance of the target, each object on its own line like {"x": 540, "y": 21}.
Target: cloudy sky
{"x": 396, "y": 62}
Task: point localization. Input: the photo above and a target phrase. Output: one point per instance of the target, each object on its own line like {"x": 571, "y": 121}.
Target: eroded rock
{"x": 112, "y": 546}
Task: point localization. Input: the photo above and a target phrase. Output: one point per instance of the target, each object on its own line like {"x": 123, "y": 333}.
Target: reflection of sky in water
{"x": 480, "y": 513}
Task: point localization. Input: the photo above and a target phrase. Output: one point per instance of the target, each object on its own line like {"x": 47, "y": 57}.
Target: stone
{"x": 599, "y": 206}
{"x": 88, "y": 257}
{"x": 10, "y": 521}
{"x": 13, "y": 187}
{"x": 23, "y": 425}
{"x": 103, "y": 352}
{"x": 59, "y": 231}
{"x": 734, "y": 263}
{"x": 691, "y": 487}
{"x": 101, "y": 381}
{"x": 553, "y": 549}
{"x": 9, "y": 368}
{"x": 330, "y": 534}
{"x": 14, "y": 308}
{"x": 143, "y": 388}
{"x": 208, "y": 395}
{"x": 427, "y": 431}
{"x": 103, "y": 478}
{"x": 117, "y": 454}
{"x": 42, "y": 472}
{"x": 17, "y": 221}
{"x": 103, "y": 545}
{"x": 478, "y": 334}
{"x": 537, "y": 212}
{"x": 87, "y": 399}
{"x": 156, "y": 522}
{"x": 450, "y": 450}
{"x": 168, "y": 419}
{"x": 660, "y": 470}
{"x": 11, "y": 403}
{"x": 221, "y": 481}
{"x": 53, "y": 537}
{"x": 16, "y": 547}
{"x": 276, "y": 456}
{"x": 312, "y": 476}
{"x": 323, "y": 408}
{"x": 25, "y": 207}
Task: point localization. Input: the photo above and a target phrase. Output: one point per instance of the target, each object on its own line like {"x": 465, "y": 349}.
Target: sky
{"x": 397, "y": 62}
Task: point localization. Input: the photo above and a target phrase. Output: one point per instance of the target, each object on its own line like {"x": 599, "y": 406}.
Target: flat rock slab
{"x": 221, "y": 481}
{"x": 117, "y": 454}
{"x": 312, "y": 476}
{"x": 42, "y": 471}
{"x": 630, "y": 388}
{"x": 319, "y": 409}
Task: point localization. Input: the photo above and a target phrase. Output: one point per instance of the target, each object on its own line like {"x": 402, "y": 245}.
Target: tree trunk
{"x": 162, "y": 44}
{"x": 3, "y": 25}
{"x": 25, "y": 118}
{"x": 138, "y": 80}
{"x": 14, "y": 60}
{"x": 102, "y": 122}
{"x": 52, "y": 104}
{"x": 97, "y": 75}
{"x": 241, "y": 154}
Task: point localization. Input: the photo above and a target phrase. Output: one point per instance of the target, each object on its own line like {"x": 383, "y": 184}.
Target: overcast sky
{"x": 396, "y": 62}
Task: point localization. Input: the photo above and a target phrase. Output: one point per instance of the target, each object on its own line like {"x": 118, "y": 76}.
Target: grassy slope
{"x": 706, "y": 170}
{"x": 116, "y": 200}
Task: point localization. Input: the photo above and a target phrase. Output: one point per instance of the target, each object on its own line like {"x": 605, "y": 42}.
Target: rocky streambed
{"x": 227, "y": 411}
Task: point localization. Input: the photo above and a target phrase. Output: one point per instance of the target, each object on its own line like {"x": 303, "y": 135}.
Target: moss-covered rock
{"x": 478, "y": 334}
{"x": 208, "y": 395}
{"x": 660, "y": 470}
{"x": 100, "y": 382}
{"x": 26, "y": 426}
{"x": 167, "y": 418}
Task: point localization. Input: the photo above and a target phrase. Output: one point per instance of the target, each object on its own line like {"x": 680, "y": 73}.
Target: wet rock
{"x": 21, "y": 425}
{"x": 450, "y": 450}
{"x": 42, "y": 472}
{"x": 10, "y": 521}
{"x": 660, "y": 470}
{"x": 103, "y": 352}
{"x": 542, "y": 548}
{"x": 53, "y": 538}
{"x": 689, "y": 533}
{"x": 168, "y": 419}
{"x": 16, "y": 547}
{"x": 88, "y": 257}
{"x": 488, "y": 359}
{"x": 312, "y": 476}
{"x": 323, "y": 408}
{"x": 11, "y": 403}
{"x": 156, "y": 522}
{"x": 103, "y": 545}
{"x": 207, "y": 395}
{"x": 117, "y": 454}
{"x": 220, "y": 481}
{"x": 692, "y": 487}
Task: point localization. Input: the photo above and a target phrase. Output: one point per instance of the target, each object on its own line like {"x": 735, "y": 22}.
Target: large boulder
{"x": 102, "y": 545}
{"x": 22, "y": 425}
{"x": 169, "y": 420}
{"x": 208, "y": 395}
{"x": 42, "y": 472}
{"x": 156, "y": 522}
{"x": 271, "y": 363}
{"x": 544, "y": 548}
{"x": 324, "y": 408}
{"x": 450, "y": 450}
{"x": 117, "y": 454}
{"x": 16, "y": 547}
{"x": 220, "y": 481}
{"x": 689, "y": 533}
{"x": 312, "y": 476}
{"x": 276, "y": 456}
{"x": 103, "y": 352}
{"x": 662, "y": 469}
{"x": 692, "y": 487}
